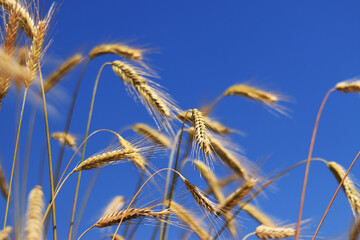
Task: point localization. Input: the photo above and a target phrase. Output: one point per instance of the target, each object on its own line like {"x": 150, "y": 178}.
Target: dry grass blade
{"x": 265, "y": 232}
{"x": 257, "y": 214}
{"x": 152, "y": 134}
{"x": 118, "y": 49}
{"x": 231, "y": 201}
{"x": 350, "y": 190}
{"x": 349, "y": 86}
{"x": 201, "y": 134}
{"x": 5, "y": 234}
{"x": 26, "y": 22}
{"x": 34, "y": 214}
{"x": 64, "y": 138}
{"x": 189, "y": 220}
{"x": 115, "y": 205}
{"x": 4, "y": 187}
{"x": 66, "y": 67}
{"x": 130, "y": 214}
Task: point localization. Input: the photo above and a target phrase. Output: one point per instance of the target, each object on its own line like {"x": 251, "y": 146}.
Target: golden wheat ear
{"x": 258, "y": 215}
{"x": 121, "y": 50}
{"x": 349, "y": 86}
{"x": 115, "y": 205}
{"x": 34, "y": 214}
{"x": 4, "y": 187}
{"x": 152, "y": 134}
{"x": 5, "y": 233}
{"x": 64, "y": 138}
{"x": 266, "y": 232}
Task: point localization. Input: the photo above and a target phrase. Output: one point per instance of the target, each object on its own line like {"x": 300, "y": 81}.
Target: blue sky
{"x": 300, "y": 49}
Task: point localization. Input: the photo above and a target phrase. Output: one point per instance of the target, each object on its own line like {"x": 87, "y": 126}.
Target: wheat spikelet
{"x": 257, "y": 214}
{"x": 118, "y": 49}
{"x": 22, "y": 54}
{"x": 12, "y": 69}
{"x": 351, "y": 192}
{"x": 116, "y": 237}
{"x": 114, "y": 206}
{"x": 201, "y": 135}
{"x": 64, "y": 138}
{"x": 223, "y": 182}
{"x": 34, "y": 214}
{"x": 228, "y": 158}
{"x": 152, "y": 134}
{"x": 252, "y": 93}
{"x": 4, "y": 187}
{"x": 66, "y": 67}
{"x": 5, "y": 234}
{"x": 235, "y": 197}
{"x": 135, "y": 157}
{"x": 35, "y": 51}
{"x": 265, "y": 232}
{"x": 352, "y": 85}
{"x": 127, "y": 215}
{"x": 104, "y": 159}
{"x": 26, "y": 22}
{"x": 189, "y": 220}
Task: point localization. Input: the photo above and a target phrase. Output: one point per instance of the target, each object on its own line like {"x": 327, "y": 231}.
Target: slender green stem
{"x": 14, "y": 158}
{"x": 52, "y": 188}
{"x": 84, "y": 148}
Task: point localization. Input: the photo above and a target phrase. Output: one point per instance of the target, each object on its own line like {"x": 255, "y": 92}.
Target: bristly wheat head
{"x": 257, "y": 215}
{"x": 22, "y": 54}
{"x": 34, "y": 214}
{"x": 5, "y": 234}
{"x": 265, "y": 232}
{"x": 349, "y": 86}
{"x": 25, "y": 20}
{"x": 118, "y": 49}
{"x": 115, "y": 205}
{"x": 269, "y": 99}
{"x": 231, "y": 201}
{"x": 66, "y": 67}
{"x": 64, "y": 138}
{"x": 201, "y": 134}
{"x": 127, "y": 215}
{"x": 189, "y": 220}
{"x": 152, "y": 134}
{"x": 159, "y": 104}
{"x": 4, "y": 187}
{"x": 350, "y": 190}
{"x": 135, "y": 157}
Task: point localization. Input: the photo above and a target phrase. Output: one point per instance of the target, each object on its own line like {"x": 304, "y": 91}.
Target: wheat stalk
{"x": 351, "y": 192}
{"x": 34, "y": 214}
{"x": 118, "y": 49}
{"x": 64, "y": 138}
{"x": 265, "y": 232}
{"x": 152, "y": 134}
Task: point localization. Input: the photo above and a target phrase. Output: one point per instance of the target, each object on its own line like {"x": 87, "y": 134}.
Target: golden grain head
{"x": 349, "y": 86}
{"x": 64, "y": 138}
{"x": 115, "y": 205}
{"x": 34, "y": 213}
{"x": 152, "y": 134}
{"x": 121, "y": 50}
{"x": 265, "y": 232}
{"x": 201, "y": 133}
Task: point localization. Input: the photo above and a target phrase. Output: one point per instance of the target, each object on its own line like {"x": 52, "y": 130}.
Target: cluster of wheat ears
{"x": 21, "y": 63}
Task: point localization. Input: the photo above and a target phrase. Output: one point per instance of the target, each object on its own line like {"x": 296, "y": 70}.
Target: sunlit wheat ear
{"x": 4, "y": 187}
{"x": 26, "y": 22}
{"x": 127, "y": 215}
{"x": 115, "y": 205}
{"x": 152, "y": 134}
{"x": 116, "y": 237}
{"x": 118, "y": 49}
{"x": 64, "y": 138}
{"x": 35, "y": 51}
{"x": 5, "y": 233}
{"x": 12, "y": 69}
{"x": 201, "y": 134}
{"x": 188, "y": 219}
{"x": 234, "y": 198}
{"x": 269, "y": 99}
{"x": 266, "y": 232}
{"x": 66, "y": 67}
{"x": 158, "y": 103}
{"x": 349, "y": 86}
{"x": 350, "y": 190}
{"x": 34, "y": 214}
{"x": 257, "y": 214}
{"x": 135, "y": 157}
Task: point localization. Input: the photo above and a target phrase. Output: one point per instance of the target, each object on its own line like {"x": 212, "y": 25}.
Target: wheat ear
{"x": 12, "y": 69}
{"x": 201, "y": 134}
{"x": 66, "y": 67}
{"x": 64, "y": 138}
{"x": 152, "y": 134}
{"x": 189, "y": 220}
{"x": 348, "y": 86}
{"x": 265, "y": 232}
{"x": 252, "y": 93}
{"x": 5, "y": 233}
{"x": 351, "y": 192}
{"x": 257, "y": 214}
{"x": 118, "y": 49}
{"x": 3, "y": 184}
{"x": 115, "y": 205}
{"x": 34, "y": 214}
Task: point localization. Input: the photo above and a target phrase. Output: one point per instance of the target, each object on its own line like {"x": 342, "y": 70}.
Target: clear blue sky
{"x": 199, "y": 48}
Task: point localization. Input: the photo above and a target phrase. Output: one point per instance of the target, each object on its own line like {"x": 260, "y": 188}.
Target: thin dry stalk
{"x": 5, "y": 233}
{"x": 257, "y": 215}
{"x": 115, "y": 205}
{"x": 34, "y": 214}
{"x": 64, "y": 138}
{"x": 349, "y": 86}
{"x": 231, "y": 201}
{"x": 189, "y": 220}
{"x": 130, "y": 214}
{"x": 152, "y": 134}
{"x": 35, "y": 51}
{"x": 265, "y": 232}
{"x": 350, "y": 190}
{"x": 4, "y": 187}
{"x": 201, "y": 134}
{"x": 26, "y": 22}
{"x": 118, "y": 49}
{"x": 135, "y": 157}
{"x": 66, "y": 67}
